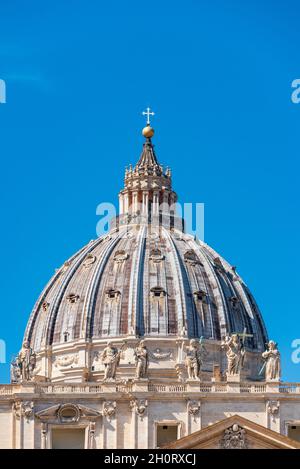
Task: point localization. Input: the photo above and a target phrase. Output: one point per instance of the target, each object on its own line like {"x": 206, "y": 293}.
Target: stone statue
{"x": 110, "y": 358}
{"x": 25, "y": 361}
{"x": 141, "y": 360}
{"x": 272, "y": 357}
{"x": 235, "y": 353}
{"x": 15, "y": 374}
{"x": 194, "y": 358}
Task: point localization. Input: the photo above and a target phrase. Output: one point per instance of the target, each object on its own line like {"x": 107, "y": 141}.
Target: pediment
{"x": 67, "y": 413}
{"x": 235, "y": 432}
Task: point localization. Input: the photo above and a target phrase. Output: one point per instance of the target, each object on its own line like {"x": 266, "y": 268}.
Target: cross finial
{"x": 148, "y": 113}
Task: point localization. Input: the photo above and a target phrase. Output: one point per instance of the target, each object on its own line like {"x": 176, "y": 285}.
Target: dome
{"x": 141, "y": 282}
{"x": 145, "y": 278}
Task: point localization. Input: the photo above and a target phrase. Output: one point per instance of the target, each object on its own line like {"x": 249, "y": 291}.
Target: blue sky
{"x": 218, "y": 75}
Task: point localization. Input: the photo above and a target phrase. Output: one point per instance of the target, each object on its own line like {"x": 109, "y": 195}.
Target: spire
{"x": 148, "y": 161}
{"x": 147, "y": 191}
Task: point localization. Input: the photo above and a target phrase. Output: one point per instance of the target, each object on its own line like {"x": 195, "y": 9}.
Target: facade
{"x": 144, "y": 336}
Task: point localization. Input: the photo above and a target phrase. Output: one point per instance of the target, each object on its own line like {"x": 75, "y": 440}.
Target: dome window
{"x": 112, "y": 294}
{"x": 191, "y": 258}
{"x": 218, "y": 263}
{"x": 72, "y": 298}
{"x": 66, "y": 336}
{"x": 120, "y": 256}
{"x": 90, "y": 259}
{"x": 200, "y": 295}
{"x": 234, "y": 301}
{"x": 156, "y": 255}
{"x": 157, "y": 292}
{"x": 45, "y": 306}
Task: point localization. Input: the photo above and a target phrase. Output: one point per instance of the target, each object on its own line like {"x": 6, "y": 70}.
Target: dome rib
{"x": 90, "y": 300}
{"x": 136, "y": 323}
{"x": 64, "y": 285}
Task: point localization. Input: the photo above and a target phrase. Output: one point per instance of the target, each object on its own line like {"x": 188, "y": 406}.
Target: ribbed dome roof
{"x": 132, "y": 282}
{"x": 144, "y": 281}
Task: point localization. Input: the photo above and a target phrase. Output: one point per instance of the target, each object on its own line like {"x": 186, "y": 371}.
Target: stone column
{"x": 145, "y": 202}
{"x": 23, "y": 424}
{"x": 92, "y": 439}
{"x": 134, "y": 202}
{"x": 166, "y": 205}
{"x": 126, "y": 203}
{"x": 155, "y": 206}
{"x": 121, "y": 204}
{"x": 44, "y": 431}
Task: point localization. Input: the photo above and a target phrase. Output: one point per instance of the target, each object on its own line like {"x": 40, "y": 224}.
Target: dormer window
{"x": 112, "y": 294}
{"x": 156, "y": 255}
{"x": 45, "y": 306}
{"x": 200, "y": 295}
{"x": 90, "y": 259}
{"x": 191, "y": 257}
{"x": 157, "y": 292}
{"x": 72, "y": 298}
{"x": 120, "y": 256}
{"x": 66, "y": 336}
{"x": 218, "y": 263}
{"x": 234, "y": 301}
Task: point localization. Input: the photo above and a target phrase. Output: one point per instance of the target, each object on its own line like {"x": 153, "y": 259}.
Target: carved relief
{"x": 234, "y": 438}
{"x": 109, "y": 409}
{"x": 193, "y": 408}
{"x": 273, "y": 408}
{"x": 139, "y": 406}
{"x": 65, "y": 360}
{"x": 68, "y": 413}
{"x": 159, "y": 354}
{"x": 179, "y": 372}
{"x": 23, "y": 409}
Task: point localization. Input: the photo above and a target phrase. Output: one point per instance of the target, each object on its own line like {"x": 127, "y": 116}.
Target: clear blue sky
{"x": 217, "y": 73}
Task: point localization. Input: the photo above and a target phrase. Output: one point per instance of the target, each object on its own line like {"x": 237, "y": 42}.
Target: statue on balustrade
{"x": 235, "y": 353}
{"x": 272, "y": 361}
{"x": 23, "y": 366}
{"x": 141, "y": 360}
{"x": 195, "y": 354}
{"x": 110, "y": 358}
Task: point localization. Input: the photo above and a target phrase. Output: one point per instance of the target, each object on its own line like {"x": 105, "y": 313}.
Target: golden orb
{"x": 148, "y": 131}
